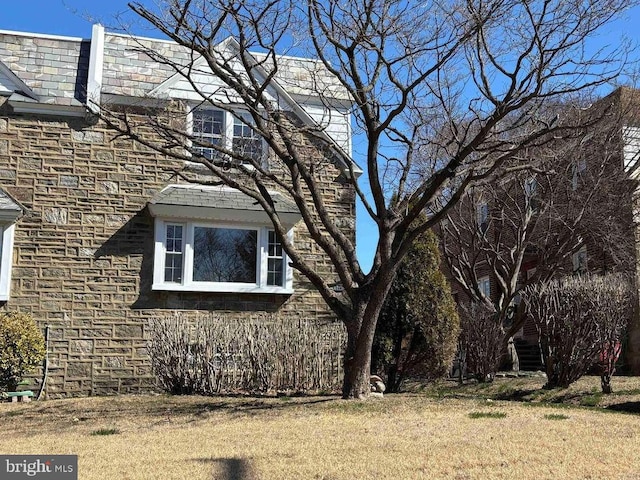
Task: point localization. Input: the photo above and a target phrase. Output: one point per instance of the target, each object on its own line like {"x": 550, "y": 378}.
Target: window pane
{"x": 274, "y": 272}
{"x": 224, "y": 255}
{"x": 208, "y": 126}
{"x": 275, "y": 261}
{"x": 174, "y": 256}
{"x": 245, "y": 139}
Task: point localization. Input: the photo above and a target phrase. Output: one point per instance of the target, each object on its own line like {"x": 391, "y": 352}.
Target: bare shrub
{"x": 480, "y": 341}
{"x": 580, "y": 320}
{"x": 213, "y": 354}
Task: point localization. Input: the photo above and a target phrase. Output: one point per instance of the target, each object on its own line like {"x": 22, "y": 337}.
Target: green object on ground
{"x": 26, "y": 393}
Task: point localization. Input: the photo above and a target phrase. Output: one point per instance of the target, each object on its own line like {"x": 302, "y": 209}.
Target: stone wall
{"x": 83, "y": 253}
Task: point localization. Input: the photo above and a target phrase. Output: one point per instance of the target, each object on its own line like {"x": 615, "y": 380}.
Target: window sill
{"x": 220, "y": 288}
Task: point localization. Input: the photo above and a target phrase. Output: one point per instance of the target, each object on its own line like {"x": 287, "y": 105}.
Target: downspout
{"x": 46, "y": 362}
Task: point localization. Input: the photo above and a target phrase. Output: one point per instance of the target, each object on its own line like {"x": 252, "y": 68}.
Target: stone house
{"x": 99, "y": 233}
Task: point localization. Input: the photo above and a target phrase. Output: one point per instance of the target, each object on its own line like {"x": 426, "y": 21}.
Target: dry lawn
{"x": 401, "y": 437}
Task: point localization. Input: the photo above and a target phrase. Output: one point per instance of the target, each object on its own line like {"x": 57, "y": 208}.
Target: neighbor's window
{"x": 530, "y": 192}
{"x": 579, "y": 260}
{"x": 484, "y": 285}
{"x": 211, "y": 128}
{"x": 579, "y": 167}
{"x": 223, "y": 258}
{"x": 482, "y": 216}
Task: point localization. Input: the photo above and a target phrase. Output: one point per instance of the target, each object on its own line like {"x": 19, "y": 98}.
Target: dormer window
{"x": 230, "y": 131}
{"x": 208, "y": 129}
{"x": 245, "y": 139}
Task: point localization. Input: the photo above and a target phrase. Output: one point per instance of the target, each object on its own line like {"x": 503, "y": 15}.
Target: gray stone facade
{"x": 84, "y": 247}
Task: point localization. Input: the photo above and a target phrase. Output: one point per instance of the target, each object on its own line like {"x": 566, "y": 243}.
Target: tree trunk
{"x": 361, "y": 329}
{"x": 357, "y": 365}
{"x": 605, "y": 383}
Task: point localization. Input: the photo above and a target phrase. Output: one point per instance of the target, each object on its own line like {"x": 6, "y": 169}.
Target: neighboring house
{"x": 99, "y": 234}
{"x": 583, "y": 219}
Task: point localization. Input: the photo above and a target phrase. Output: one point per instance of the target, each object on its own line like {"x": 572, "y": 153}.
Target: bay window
{"x": 218, "y": 257}
{"x": 6, "y": 260}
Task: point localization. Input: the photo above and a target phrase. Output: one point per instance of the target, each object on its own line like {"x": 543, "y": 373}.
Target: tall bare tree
{"x": 443, "y": 92}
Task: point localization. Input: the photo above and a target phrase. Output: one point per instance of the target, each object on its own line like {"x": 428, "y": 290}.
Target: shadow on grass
{"x": 626, "y": 407}
{"x": 164, "y": 407}
{"x": 230, "y": 468}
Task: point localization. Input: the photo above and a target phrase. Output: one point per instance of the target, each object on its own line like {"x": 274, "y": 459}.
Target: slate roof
{"x": 54, "y": 68}
{"x": 128, "y": 70}
{"x": 217, "y": 197}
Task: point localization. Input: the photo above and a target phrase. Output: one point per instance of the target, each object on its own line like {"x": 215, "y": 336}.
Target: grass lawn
{"x": 441, "y": 433}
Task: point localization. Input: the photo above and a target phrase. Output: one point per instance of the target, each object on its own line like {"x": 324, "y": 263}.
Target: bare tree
{"x": 580, "y": 321}
{"x": 480, "y": 344}
{"x": 444, "y": 92}
{"x": 526, "y": 229}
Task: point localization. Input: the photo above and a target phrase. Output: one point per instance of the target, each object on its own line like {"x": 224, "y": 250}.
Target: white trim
{"x": 6, "y": 260}
{"x": 96, "y": 64}
{"x": 190, "y": 285}
{"x": 48, "y": 109}
{"x": 42, "y": 35}
{"x": 17, "y": 82}
{"x": 136, "y": 37}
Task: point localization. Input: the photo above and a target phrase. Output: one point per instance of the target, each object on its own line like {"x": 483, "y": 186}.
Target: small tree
{"x": 580, "y": 320}
{"x": 419, "y": 323}
{"x": 21, "y": 348}
{"x": 480, "y": 343}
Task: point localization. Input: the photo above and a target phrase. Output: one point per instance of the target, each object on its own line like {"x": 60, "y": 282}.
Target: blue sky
{"x": 75, "y": 17}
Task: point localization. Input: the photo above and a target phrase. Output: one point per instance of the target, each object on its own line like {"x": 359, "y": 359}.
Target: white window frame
{"x": 189, "y": 285}
{"x": 6, "y": 259}
{"x": 484, "y": 285}
{"x": 227, "y": 132}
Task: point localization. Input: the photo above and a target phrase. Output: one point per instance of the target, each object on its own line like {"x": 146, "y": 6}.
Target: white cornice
{"x": 42, "y": 35}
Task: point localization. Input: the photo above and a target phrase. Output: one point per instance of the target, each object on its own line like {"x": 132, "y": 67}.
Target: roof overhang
{"x": 10, "y": 209}
{"x": 219, "y": 204}
{"x": 22, "y": 104}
